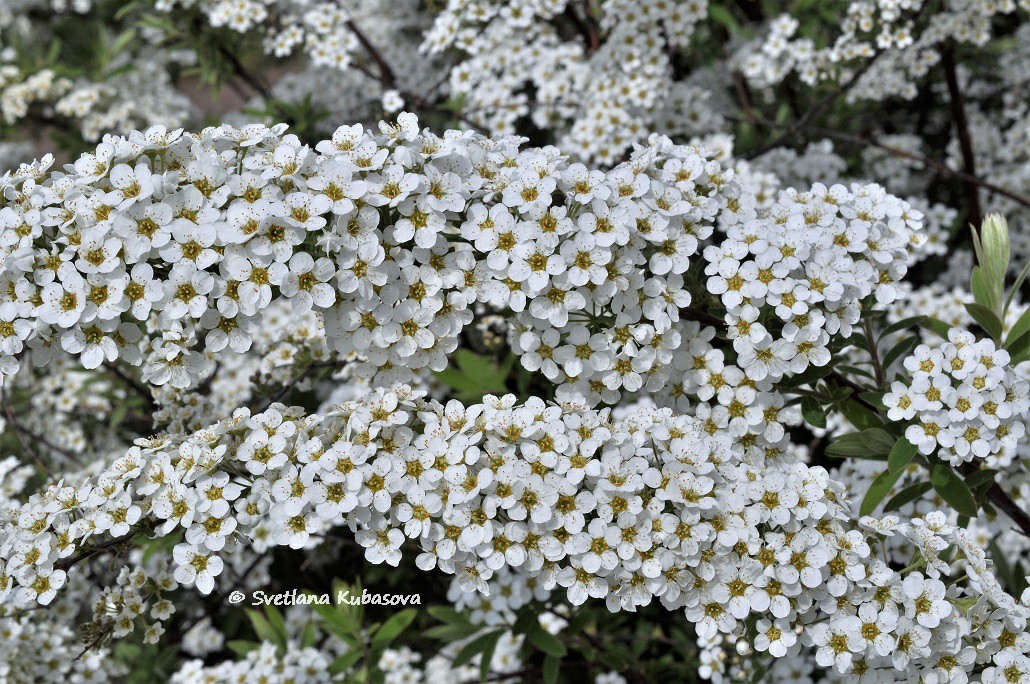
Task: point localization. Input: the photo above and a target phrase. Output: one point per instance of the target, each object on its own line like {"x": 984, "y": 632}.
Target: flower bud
{"x": 994, "y": 239}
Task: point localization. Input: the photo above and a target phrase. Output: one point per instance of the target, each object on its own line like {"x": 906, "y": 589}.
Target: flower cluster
{"x": 888, "y": 45}
{"x": 158, "y": 240}
{"x": 792, "y": 279}
{"x": 631, "y": 509}
{"x": 964, "y": 398}
{"x": 602, "y": 94}
{"x": 136, "y": 98}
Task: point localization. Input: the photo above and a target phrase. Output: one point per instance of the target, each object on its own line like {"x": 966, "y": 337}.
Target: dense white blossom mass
{"x": 638, "y": 335}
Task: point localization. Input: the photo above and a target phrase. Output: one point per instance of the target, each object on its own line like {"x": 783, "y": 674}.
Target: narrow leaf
{"x": 813, "y": 412}
{"x": 1021, "y": 327}
{"x": 878, "y": 489}
{"x": 901, "y": 455}
{"x": 910, "y": 322}
{"x": 552, "y": 666}
{"x": 907, "y": 495}
{"x": 987, "y": 319}
{"x": 397, "y": 623}
{"x": 953, "y": 490}
{"x": 935, "y": 326}
{"x": 476, "y": 647}
{"x": 544, "y": 640}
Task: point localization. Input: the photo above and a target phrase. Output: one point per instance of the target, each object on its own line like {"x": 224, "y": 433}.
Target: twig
{"x": 817, "y": 109}
{"x": 1000, "y": 498}
{"x": 132, "y": 382}
{"x": 65, "y": 563}
{"x": 241, "y": 71}
{"x": 386, "y": 74}
{"x": 290, "y": 384}
{"x": 958, "y": 116}
{"x": 873, "y": 354}
{"x": 896, "y": 151}
{"x": 21, "y": 433}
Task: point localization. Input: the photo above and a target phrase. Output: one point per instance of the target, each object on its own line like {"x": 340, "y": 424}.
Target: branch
{"x": 1001, "y": 500}
{"x": 958, "y": 116}
{"x": 244, "y": 75}
{"x": 21, "y": 434}
{"x": 817, "y": 109}
{"x": 896, "y": 151}
{"x": 386, "y": 74}
{"x": 133, "y": 383}
{"x": 65, "y": 563}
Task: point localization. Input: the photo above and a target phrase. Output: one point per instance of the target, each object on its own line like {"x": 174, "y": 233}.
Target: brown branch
{"x": 21, "y": 433}
{"x": 386, "y": 73}
{"x": 817, "y": 109}
{"x": 244, "y": 75}
{"x": 926, "y": 162}
{"x": 1001, "y": 500}
{"x": 958, "y": 117}
{"x": 65, "y": 563}
{"x": 132, "y": 382}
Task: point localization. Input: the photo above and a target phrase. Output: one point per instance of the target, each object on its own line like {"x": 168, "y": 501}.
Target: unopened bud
{"x": 994, "y": 238}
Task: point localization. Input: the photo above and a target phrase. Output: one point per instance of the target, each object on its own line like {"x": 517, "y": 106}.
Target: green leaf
{"x": 1020, "y": 350}
{"x": 543, "y": 639}
{"x": 987, "y": 319}
{"x": 263, "y": 628}
{"x": 447, "y": 614}
{"x": 810, "y": 376}
{"x": 907, "y": 495}
{"x": 878, "y": 489}
{"x": 910, "y": 322}
{"x": 552, "y": 666}
{"x": 485, "y": 660}
{"x": 241, "y": 647}
{"x": 451, "y": 632}
{"x": 476, "y": 647}
{"x": 723, "y": 16}
{"x": 860, "y": 416}
{"x": 872, "y": 443}
{"x": 813, "y": 412}
{"x": 396, "y": 624}
{"x": 900, "y": 350}
{"x": 1021, "y": 328}
{"x": 275, "y": 618}
{"x": 475, "y": 375}
{"x": 474, "y": 365}
{"x": 935, "y": 326}
{"x": 345, "y": 662}
{"x": 901, "y": 455}
{"x": 980, "y": 481}
{"x": 1023, "y": 273}
{"x": 874, "y": 398}
{"x": 340, "y": 623}
{"x": 1002, "y": 566}
{"x": 952, "y": 489}
{"x": 983, "y": 293}
{"x": 308, "y": 635}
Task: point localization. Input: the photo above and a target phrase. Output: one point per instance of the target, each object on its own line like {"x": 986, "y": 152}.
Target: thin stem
{"x": 386, "y": 74}
{"x": 958, "y": 117}
{"x": 816, "y": 111}
{"x": 873, "y": 354}
{"x": 21, "y": 434}
{"x": 134, "y": 384}
{"x": 1000, "y": 498}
